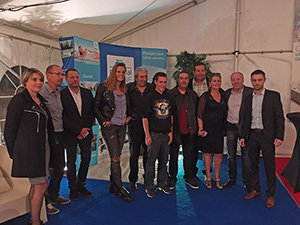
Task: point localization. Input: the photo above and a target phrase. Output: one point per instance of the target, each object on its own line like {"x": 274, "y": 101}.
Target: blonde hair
{"x": 28, "y": 73}
{"x": 111, "y": 81}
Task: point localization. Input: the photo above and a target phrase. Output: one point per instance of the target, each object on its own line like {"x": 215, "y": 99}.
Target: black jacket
{"x": 190, "y": 104}
{"x": 137, "y": 98}
{"x": 272, "y": 116}
{"x": 25, "y": 135}
{"x": 105, "y": 104}
{"x": 72, "y": 120}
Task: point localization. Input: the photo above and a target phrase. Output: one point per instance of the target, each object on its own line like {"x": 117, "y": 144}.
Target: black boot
{"x": 121, "y": 192}
{"x": 112, "y": 185}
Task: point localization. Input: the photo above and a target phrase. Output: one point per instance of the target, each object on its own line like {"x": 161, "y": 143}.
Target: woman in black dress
{"x": 211, "y": 116}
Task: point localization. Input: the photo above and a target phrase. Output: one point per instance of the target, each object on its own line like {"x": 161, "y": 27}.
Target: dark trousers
{"x": 159, "y": 149}
{"x": 57, "y": 166}
{"x": 257, "y": 142}
{"x": 114, "y": 137}
{"x": 232, "y": 134}
{"x": 189, "y": 162}
{"x": 136, "y": 142}
{"x": 85, "y": 154}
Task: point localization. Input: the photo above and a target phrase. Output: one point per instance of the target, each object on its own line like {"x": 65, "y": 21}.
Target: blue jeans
{"x": 231, "y": 145}
{"x": 159, "y": 149}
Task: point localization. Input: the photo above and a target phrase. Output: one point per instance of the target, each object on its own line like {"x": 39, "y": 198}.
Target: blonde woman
{"x": 28, "y": 132}
{"x": 211, "y": 121}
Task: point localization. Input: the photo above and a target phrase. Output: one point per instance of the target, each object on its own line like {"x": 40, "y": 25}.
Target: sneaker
{"x": 165, "y": 189}
{"x": 73, "y": 195}
{"x": 85, "y": 191}
{"x": 192, "y": 183}
{"x": 151, "y": 193}
{"x": 61, "y": 200}
{"x": 51, "y": 210}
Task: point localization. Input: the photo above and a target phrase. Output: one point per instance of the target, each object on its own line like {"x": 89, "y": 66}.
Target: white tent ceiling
{"x": 92, "y": 19}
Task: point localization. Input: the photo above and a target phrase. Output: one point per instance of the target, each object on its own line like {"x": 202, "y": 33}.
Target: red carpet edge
{"x": 281, "y": 163}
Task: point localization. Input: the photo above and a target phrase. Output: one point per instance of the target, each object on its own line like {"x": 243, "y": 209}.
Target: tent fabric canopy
{"x": 103, "y": 14}
{"x": 261, "y": 31}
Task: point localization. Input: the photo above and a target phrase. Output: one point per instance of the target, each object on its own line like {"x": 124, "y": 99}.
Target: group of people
{"x": 196, "y": 114}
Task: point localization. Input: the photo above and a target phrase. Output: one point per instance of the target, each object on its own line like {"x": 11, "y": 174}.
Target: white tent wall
{"x": 18, "y": 47}
{"x": 23, "y": 48}
{"x": 264, "y": 37}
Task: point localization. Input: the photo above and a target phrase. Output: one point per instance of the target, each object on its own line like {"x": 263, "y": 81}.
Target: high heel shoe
{"x": 208, "y": 184}
{"x": 218, "y": 184}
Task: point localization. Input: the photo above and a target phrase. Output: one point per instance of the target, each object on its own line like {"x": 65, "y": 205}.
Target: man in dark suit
{"x": 235, "y": 98}
{"x": 78, "y": 119}
{"x": 262, "y": 129}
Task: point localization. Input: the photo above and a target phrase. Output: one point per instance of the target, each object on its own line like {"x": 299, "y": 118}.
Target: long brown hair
{"x": 111, "y": 81}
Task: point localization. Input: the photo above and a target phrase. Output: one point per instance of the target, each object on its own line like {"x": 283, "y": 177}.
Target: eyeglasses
{"x": 58, "y": 74}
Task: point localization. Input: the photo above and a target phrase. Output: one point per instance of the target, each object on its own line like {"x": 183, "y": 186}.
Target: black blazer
{"x": 246, "y": 91}
{"x": 72, "y": 121}
{"x": 272, "y": 116}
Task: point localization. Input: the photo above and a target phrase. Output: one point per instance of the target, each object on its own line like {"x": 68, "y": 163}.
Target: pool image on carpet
{"x": 184, "y": 206}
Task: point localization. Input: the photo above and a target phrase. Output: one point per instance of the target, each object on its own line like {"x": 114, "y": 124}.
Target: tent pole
{"x": 237, "y": 35}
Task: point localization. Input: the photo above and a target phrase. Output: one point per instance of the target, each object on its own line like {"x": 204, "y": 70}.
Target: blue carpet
{"x": 185, "y": 206}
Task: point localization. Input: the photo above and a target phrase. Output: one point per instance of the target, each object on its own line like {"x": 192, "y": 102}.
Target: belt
{"x": 232, "y": 124}
{"x": 258, "y": 130}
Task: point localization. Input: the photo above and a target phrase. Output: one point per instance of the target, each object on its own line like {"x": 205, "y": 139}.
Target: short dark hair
{"x": 256, "y": 72}
{"x": 69, "y": 70}
{"x": 198, "y": 64}
{"x": 158, "y": 74}
{"x": 214, "y": 75}
{"x": 49, "y": 68}
{"x": 181, "y": 73}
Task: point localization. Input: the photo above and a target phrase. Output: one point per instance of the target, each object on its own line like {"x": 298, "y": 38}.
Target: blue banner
{"x": 84, "y": 56}
{"x": 111, "y": 54}
{"x": 154, "y": 60}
